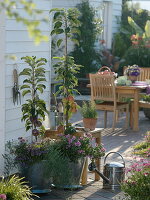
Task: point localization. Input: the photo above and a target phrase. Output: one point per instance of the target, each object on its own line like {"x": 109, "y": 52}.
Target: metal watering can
{"x": 113, "y": 172}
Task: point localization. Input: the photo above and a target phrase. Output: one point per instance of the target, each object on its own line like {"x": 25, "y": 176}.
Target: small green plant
{"x": 143, "y": 148}
{"x": 14, "y": 188}
{"x": 34, "y": 109}
{"x": 146, "y": 97}
{"x": 88, "y": 110}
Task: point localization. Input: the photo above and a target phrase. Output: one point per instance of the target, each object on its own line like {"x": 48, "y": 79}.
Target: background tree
{"x": 84, "y": 53}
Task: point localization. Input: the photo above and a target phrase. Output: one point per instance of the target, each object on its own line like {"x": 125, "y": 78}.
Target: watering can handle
{"x": 116, "y": 153}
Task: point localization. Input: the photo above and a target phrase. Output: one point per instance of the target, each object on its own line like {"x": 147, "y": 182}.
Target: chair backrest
{"x": 102, "y": 87}
{"x": 144, "y": 73}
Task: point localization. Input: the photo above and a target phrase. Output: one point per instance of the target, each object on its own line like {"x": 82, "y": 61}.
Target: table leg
{"x": 136, "y": 111}
{"x": 97, "y": 177}
{"x": 84, "y": 173}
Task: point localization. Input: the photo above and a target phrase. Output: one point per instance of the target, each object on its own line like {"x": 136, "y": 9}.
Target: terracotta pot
{"x": 90, "y": 123}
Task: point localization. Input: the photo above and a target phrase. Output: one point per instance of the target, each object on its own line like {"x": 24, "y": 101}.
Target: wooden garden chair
{"x": 103, "y": 89}
{"x": 144, "y": 74}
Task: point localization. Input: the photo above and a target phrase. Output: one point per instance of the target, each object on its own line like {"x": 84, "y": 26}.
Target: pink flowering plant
{"x": 74, "y": 147}
{"x": 137, "y": 184}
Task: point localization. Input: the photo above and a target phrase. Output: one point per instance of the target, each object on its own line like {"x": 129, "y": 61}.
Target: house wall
{"x": 2, "y": 89}
{"x": 18, "y": 43}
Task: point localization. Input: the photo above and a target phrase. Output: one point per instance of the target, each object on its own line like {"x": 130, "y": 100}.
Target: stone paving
{"x": 116, "y": 141}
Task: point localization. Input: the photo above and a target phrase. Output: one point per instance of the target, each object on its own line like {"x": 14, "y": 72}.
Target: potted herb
{"x": 89, "y": 115}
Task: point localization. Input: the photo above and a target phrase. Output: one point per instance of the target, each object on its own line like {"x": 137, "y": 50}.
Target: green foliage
{"x": 88, "y": 110}
{"x": 68, "y": 76}
{"x": 143, "y": 148}
{"x": 84, "y": 53}
{"x": 146, "y": 97}
{"x": 30, "y": 9}
{"x": 65, "y": 23}
{"x": 34, "y": 109}
{"x": 125, "y": 31}
{"x": 15, "y": 189}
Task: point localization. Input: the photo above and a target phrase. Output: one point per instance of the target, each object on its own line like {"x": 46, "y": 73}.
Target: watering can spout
{"x": 92, "y": 167}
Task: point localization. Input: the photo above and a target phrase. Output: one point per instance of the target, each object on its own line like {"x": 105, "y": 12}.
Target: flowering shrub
{"x": 28, "y": 153}
{"x": 137, "y": 184}
{"x": 75, "y": 147}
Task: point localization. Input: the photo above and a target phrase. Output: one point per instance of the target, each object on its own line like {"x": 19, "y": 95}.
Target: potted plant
{"x": 30, "y": 156}
{"x": 89, "y": 114}
{"x": 70, "y": 153}
{"x": 30, "y": 159}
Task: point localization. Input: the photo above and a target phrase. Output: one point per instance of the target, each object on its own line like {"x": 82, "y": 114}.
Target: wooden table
{"x": 96, "y": 134}
{"x": 133, "y": 92}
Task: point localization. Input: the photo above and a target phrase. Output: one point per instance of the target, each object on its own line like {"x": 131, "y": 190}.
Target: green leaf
{"x": 57, "y": 25}
{"x": 25, "y": 92}
{"x": 147, "y": 29}
{"x": 138, "y": 30}
{"x": 59, "y": 42}
{"x": 59, "y": 31}
{"x": 24, "y": 86}
{"x": 41, "y": 85}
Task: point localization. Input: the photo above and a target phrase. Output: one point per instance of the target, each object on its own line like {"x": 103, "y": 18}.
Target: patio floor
{"x": 116, "y": 141}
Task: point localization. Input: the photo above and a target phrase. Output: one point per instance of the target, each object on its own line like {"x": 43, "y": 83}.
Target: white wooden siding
{"x": 2, "y": 90}
{"x": 19, "y": 43}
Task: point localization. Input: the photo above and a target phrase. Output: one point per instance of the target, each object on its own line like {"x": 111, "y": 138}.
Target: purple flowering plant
{"x": 137, "y": 184}
{"x": 133, "y": 70}
{"x": 74, "y": 147}
{"x": 26, "y": 153}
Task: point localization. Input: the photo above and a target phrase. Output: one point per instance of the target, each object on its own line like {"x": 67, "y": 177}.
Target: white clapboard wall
{"x": 18, "y": 43}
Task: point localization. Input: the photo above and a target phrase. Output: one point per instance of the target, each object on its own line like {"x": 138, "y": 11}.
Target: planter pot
{"x": 89, "y": 123}
{"x": 36, "y": 178}
{"x": 147, "y": 112}
{"x": 73, "y": 172}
